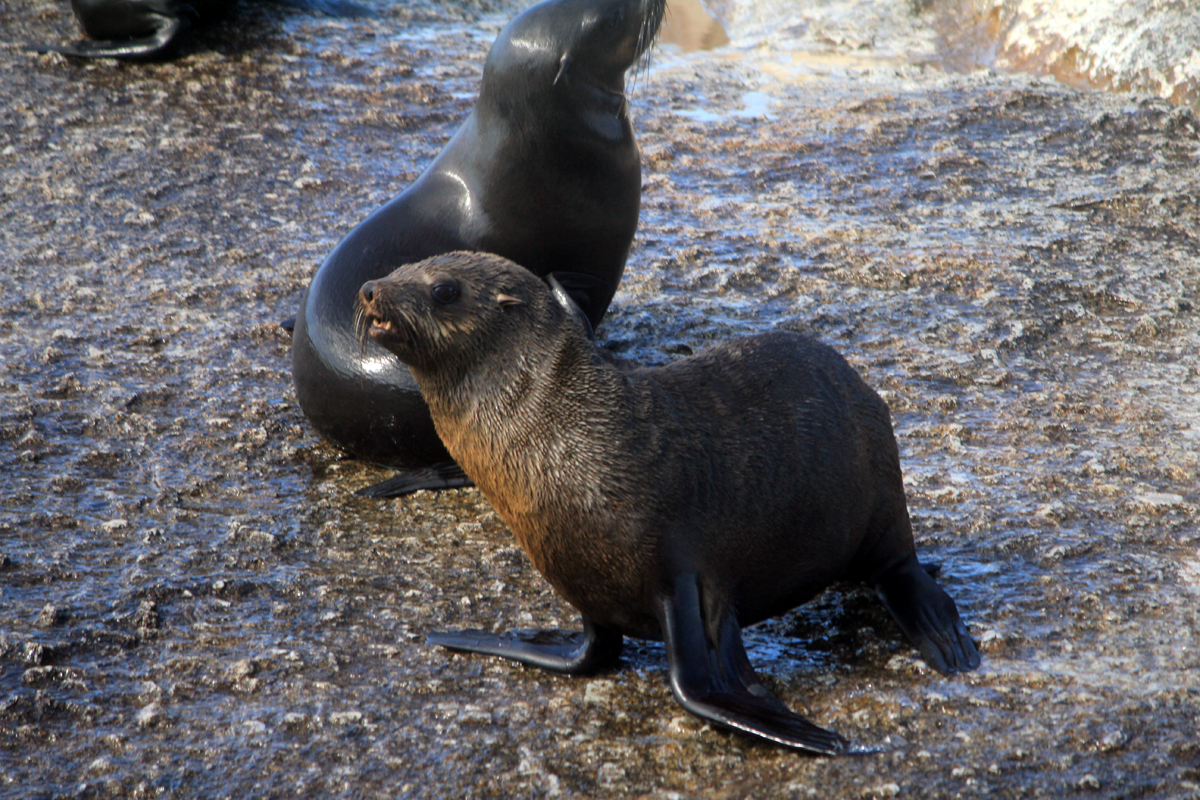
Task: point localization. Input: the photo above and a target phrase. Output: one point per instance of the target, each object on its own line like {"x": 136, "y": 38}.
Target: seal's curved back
{"x": 544, "y": 171}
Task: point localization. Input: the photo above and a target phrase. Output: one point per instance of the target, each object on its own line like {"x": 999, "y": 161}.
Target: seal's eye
{"x": 445, "y": 292}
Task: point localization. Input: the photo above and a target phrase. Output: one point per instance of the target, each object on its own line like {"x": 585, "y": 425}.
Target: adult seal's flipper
{"x": 570, "y": 305}
{"x": 166, "y": 31}
{"x": 927, "y": 616}
{"x": 145, "y": 30}
{"x": 595, "y": 650}
{"x": 715, "y": 681}
{"x": 434, "y": 478}
{"x": 590, "y": 293}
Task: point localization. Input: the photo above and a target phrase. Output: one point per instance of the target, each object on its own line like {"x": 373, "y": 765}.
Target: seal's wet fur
{"x": 674, "y": 503}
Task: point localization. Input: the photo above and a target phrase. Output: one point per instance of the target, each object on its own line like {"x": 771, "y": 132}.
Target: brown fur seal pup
{"x": 544, "y": 171}
{"x": 678, "y": 503}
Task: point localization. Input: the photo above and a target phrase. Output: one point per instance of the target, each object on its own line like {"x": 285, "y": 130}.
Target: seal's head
{"x": 581, "y": 48}
{"x": 446, "y": 313}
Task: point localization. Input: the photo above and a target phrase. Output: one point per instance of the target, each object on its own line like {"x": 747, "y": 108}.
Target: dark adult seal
{"x": 151, "y": 29}
{"x": 678, "y": 503}
{"x": 544, "y": 171}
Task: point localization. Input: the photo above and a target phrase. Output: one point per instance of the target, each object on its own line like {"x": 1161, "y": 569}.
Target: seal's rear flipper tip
{"x": 571, "y": 306}
{"x": 147, "y": 48}
{"x": 928, "y": 617}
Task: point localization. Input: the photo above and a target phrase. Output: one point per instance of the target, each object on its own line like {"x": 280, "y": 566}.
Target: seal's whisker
{"x": 647, "y": 35}
{"x": 641, "y": 68}
{"x": 361, "y": 328}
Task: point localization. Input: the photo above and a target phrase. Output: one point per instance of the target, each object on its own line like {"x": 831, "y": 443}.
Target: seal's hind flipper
{"x": 596, "y": 649}
{"x": 156, "y": 45}
{"x": 928, "y": 617}
{"x": 714, "y": 680}
{"x": 438, "y": 476}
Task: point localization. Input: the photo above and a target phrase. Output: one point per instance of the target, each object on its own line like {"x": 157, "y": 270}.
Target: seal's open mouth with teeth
{"x": 374, "y": 320}
{"x": 383, "y": 330}
{"x": 378, "y": 324}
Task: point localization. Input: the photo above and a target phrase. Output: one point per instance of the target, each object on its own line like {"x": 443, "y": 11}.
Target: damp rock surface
{"x": 193, "y": 603}
{"x": 1145, "y": 45}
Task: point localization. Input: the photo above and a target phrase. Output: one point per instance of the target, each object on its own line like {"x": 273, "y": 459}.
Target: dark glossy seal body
{"x": 136, "y": 29}
{"x": 150, "y": 29}
{"x": 678, "y": 503}
{"x": 544, "y": 171}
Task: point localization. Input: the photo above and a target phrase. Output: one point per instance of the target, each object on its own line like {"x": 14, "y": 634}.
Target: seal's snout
{"x": 376, "y": 322}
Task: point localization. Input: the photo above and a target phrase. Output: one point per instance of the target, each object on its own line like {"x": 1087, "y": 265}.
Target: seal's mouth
{"x": 380, "y": 326}
{"x": 373, "y": 322}
{"x": 382, "y": 330}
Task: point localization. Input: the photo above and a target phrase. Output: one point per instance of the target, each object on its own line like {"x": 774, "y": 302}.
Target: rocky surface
{"x": 1150, "y": 46}
{"x": 194, "y": 604}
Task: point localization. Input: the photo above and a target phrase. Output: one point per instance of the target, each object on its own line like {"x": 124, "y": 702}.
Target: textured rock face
{"x": 1149, "y": 46}
{"x": 192, "y": 603}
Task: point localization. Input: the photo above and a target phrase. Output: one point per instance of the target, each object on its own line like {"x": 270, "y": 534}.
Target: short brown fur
{"x": 765, "y": 466}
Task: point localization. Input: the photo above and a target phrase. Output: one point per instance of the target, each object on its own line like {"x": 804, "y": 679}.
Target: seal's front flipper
{"x": 714, "y": 680}
{"x": 438, "y": 476}
{"x": 596, "y": 649}
{"x": 928, "y": 617}
{"x": 156, "y": 45}
{"x": 591, "y": 294}
{"x": 571, "y": 306}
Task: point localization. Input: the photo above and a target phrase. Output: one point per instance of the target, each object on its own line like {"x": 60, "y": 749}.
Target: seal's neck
{"x": 523, "y": 425}
{"x": 552, "y": 369}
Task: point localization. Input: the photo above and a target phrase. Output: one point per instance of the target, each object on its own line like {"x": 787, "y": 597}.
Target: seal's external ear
{"x": 563, "y": 64}
{"x": 506, "y": 300}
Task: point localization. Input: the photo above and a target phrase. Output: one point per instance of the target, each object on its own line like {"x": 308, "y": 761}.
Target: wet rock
{"x": 1012, "y": 263}
{"x": 1106, "y": 44}
{"x": 149, "y": 716}
{"x": 36, "y": 654}
{"x": 50, "y": 616}
{"x": 146, "y": 618}
{"x": 599, "y": 693}
{"x": 1113, "y": 740}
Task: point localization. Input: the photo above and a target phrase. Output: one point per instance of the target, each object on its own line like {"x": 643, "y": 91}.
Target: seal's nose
{"x": 367, "y": 292}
